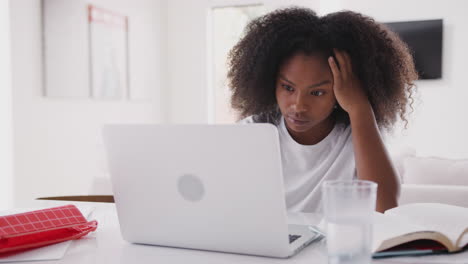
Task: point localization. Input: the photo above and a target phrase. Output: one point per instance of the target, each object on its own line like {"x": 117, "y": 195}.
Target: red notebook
{"x": 42, "y": 227}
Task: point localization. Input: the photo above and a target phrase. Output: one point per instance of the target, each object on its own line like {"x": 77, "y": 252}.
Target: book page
{"x": 449, "y": 220}
{"x": 463, "y": 240}
{"x": 387, "y": 227}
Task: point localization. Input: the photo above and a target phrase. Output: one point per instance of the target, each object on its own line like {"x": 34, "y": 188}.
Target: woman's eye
{"x": 287, "y": 87}
{"x": 317, "y": 93}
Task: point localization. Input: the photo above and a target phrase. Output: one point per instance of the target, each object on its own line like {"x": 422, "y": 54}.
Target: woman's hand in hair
{"x": 346, "y": 86}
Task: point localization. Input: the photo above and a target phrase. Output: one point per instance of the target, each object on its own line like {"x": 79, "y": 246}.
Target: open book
{"x": 422, "y": 228}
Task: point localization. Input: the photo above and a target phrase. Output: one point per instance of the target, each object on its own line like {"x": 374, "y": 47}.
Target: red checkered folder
{"x": 42, "y": 227}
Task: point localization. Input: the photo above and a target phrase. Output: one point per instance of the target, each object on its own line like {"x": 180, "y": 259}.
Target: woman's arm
{"x": 372, "y": 160}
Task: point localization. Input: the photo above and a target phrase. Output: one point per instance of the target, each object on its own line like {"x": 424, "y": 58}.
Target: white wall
{"x": 6, "y": 124}
{"x": 187, "y": 60}
{"x": 58, "y": 145}
{"x": 437, "y": 126}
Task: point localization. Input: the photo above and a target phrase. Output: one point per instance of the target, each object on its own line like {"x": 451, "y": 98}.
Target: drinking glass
{"x": 348, "y": 210}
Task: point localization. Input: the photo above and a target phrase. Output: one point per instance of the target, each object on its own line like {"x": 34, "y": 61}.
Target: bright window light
{"x": 228, "y": 24}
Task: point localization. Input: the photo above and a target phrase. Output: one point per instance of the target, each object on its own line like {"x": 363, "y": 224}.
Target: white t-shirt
{"x": 306, "y": 167}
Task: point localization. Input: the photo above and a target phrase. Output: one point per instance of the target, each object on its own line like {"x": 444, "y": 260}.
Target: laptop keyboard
{"x": 293, "y": 238}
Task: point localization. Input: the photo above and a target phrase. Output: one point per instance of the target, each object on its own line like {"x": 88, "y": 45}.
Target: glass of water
{"x": 348, "y": 209}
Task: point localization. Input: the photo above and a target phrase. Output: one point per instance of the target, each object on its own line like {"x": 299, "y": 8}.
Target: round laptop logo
{"x": 191, "y": 187}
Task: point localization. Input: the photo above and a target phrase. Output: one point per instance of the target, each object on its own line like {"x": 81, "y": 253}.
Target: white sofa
{"x": 424, "y": 179}
{"x": 432, "y": 179}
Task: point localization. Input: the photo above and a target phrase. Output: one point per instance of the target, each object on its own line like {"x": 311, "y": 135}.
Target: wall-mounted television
{"x": 424, "y": 38}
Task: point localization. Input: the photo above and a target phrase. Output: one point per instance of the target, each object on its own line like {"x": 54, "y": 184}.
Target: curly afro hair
{"x": 380, "y": 60}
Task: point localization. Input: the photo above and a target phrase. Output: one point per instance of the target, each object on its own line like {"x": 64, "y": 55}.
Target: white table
{"x": 107, "y": 246}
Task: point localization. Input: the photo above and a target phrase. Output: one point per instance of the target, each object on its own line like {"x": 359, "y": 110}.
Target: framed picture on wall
{"x": 108, "y": 47}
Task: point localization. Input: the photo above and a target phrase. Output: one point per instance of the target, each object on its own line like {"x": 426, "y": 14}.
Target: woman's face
{"x": 304, "y": 92}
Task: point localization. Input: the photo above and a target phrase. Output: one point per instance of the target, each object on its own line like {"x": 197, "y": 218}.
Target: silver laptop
{"x": 209, "y": 187}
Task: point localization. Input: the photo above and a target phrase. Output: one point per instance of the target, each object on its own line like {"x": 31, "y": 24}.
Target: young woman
{"x": 330, "y": 84}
